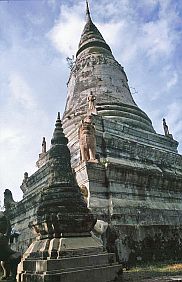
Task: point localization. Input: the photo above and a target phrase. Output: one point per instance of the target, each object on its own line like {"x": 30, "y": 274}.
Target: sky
{"x": 36, "y": 37}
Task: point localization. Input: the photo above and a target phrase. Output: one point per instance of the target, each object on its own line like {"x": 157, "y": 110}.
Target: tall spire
{"x": 91, "y": 36}
{"x": 96, "y": 70}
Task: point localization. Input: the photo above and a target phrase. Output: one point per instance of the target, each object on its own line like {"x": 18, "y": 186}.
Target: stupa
{"x": 136, "y": 185}
{"x": 64, "y": 249}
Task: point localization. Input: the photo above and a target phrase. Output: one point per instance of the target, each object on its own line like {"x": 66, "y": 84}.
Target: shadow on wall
{"x": 162, "y": 246}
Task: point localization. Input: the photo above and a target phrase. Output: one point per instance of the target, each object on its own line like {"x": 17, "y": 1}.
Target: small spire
{"x": 43, "y": 145}
{"x": 58, "y": 135}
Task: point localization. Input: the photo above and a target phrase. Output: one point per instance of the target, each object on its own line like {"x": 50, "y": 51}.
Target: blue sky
{"x": 35, "y": 39}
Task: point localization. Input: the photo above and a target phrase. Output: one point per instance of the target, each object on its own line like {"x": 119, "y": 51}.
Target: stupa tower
{"x": 136, "y": 184}
{"x": 96, "y": 72}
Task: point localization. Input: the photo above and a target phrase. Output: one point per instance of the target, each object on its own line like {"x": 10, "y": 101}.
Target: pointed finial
{"x": 87, "y": 11}
{"x": 58, "y": 122}
{"x": 58, "y": 118}
{"x": 43, "y": 145}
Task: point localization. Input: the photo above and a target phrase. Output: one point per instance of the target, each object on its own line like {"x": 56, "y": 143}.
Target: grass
{"x": 153, "y": 270}
{"x": 162, "y": 267}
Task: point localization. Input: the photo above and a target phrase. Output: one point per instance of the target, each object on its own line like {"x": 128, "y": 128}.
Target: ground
{"x": 163, "y": 272}
{"x": 157, "y": 272}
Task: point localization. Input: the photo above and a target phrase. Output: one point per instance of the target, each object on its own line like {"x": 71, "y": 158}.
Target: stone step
{"x": 69, "y": 263}
{"x": 101, "y": 274}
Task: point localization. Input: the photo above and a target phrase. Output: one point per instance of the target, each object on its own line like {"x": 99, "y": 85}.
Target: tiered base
{"x": 78, "y": 260}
